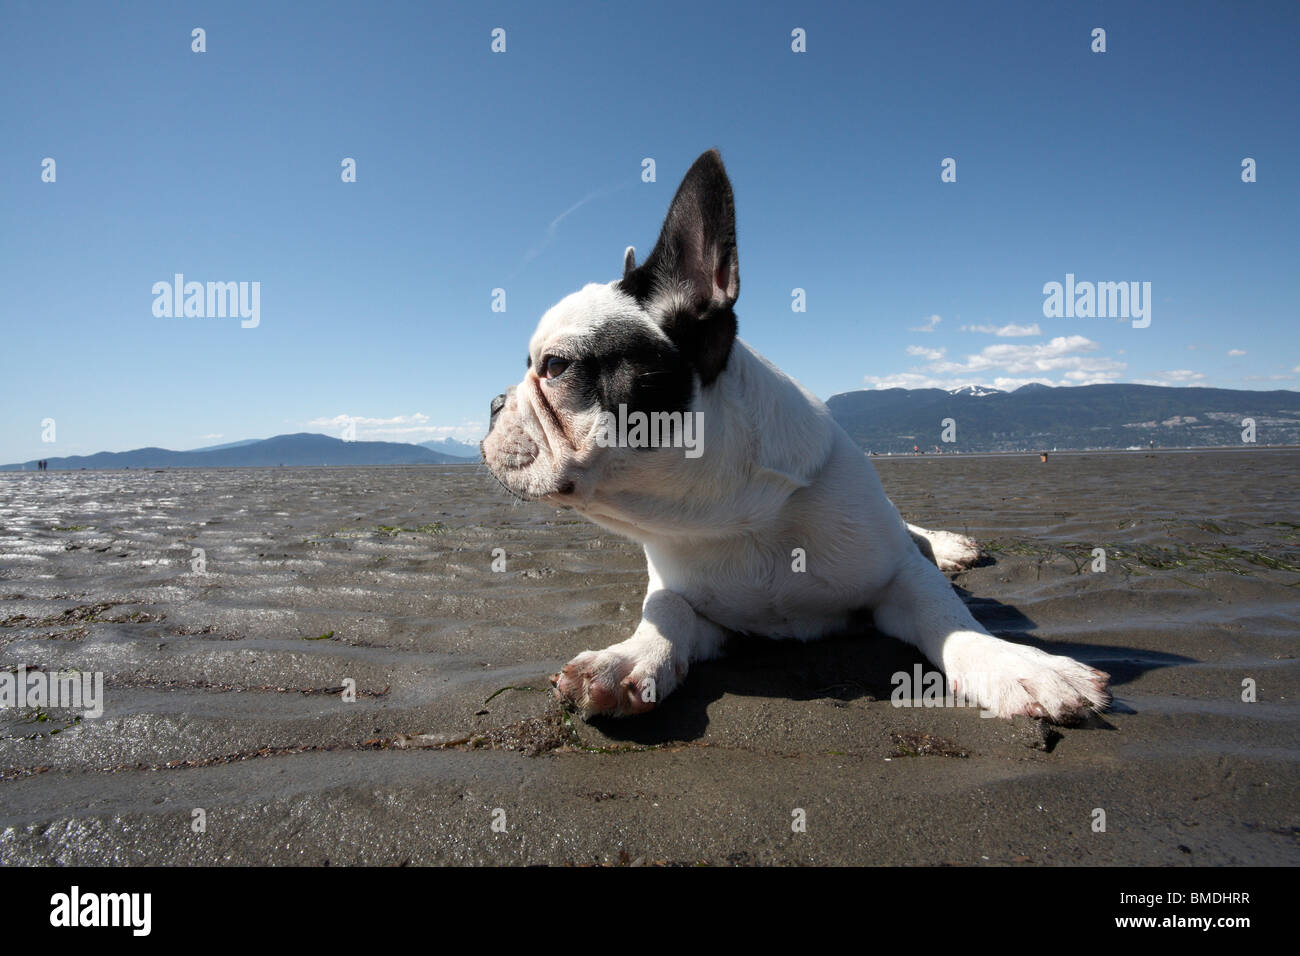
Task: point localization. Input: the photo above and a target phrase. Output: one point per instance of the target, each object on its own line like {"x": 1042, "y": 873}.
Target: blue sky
{"x": 522, "y": 170}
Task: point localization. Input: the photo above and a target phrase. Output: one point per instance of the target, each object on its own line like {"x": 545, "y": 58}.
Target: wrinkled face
{"x": 595, "y": 350}
{"x": 647, "y": 343}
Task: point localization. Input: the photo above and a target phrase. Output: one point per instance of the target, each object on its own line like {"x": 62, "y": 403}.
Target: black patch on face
{"x": 707, "y": 337}
{"x": 704, "y": 333}
{"x": 629, "y": 365}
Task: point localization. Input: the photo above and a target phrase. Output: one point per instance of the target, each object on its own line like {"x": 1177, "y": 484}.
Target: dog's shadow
{"x": 854, "y": 665}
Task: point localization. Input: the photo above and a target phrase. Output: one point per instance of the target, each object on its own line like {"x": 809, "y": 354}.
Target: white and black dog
{"x": 772, "y": 473}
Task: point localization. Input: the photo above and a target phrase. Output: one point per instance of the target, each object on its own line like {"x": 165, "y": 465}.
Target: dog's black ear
{"x": 697, "y": 245}
{"x": 629, "y": 261}
{"x": 691, "y": 279}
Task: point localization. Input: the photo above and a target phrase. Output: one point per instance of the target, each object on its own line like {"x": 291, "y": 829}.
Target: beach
{"x": 323, "y": 666}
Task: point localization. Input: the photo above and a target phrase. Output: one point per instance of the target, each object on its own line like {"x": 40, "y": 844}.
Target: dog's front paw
{"x": 620, "y": 680}
{"x": 1009, "y": 679}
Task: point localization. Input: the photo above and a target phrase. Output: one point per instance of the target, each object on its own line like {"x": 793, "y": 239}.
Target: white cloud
{"x": 918, "y": 380}
{"x": 1175, "y": 377}
{"x": 932, "y": 354}
{"x": 1008, "y": 366}
{"x": 417, "y": 420}
{"x": 903, "y": 380}
{"x": 1061, "y": 354}
{"x": 410, "y": 428}
{"x": 1011, "y": 384}
{"x": 1236, "y": 352}
{"x": 1010, "y": 330}
{"x": 930, "y": 324}
{"x": 216, "y": 435}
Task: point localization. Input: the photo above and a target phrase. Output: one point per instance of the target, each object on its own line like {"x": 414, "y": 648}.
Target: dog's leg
{"x": 921, "y": 608}
{"x": 951, "y": 552}
{"x": 633, "y": 676}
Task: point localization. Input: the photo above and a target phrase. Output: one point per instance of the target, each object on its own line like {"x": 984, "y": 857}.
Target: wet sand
{"x": 223, "y": 688}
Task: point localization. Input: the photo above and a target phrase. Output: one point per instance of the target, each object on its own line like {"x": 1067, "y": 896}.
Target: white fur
{"x": 777, "y": 473}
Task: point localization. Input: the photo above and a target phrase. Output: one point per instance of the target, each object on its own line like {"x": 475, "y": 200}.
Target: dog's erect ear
{"x": 692, "y": 277}
{"x": 629, "y": 260}
{"x": 697, "y": 246}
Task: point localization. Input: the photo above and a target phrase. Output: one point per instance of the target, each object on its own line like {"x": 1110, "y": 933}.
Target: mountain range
{"x": 884, "y": 421}
{"x": 300, "y": 449}
{"x": 1036, "y": 417}
{"x": 449, "y": 446}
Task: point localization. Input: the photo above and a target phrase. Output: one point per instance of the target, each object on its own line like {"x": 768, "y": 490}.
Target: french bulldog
{"x": 769, "y": 472}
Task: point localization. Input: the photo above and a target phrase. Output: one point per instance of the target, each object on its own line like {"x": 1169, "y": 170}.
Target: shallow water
{"x": 223, "y": 686}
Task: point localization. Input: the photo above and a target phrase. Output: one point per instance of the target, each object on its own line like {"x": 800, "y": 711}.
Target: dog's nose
{"x": 498, "y": 403}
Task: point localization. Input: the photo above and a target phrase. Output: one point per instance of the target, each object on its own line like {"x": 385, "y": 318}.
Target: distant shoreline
{"x": 143, "y": 470}
{"x": 909, "y": 456}
{"x": 901, "y": 456}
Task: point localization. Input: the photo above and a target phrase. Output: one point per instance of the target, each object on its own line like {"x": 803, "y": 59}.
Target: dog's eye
{"x": 553, "y": 366}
